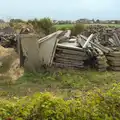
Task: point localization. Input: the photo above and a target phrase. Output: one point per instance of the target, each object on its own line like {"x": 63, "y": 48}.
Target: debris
{"x": 7, "y": 37}
{"x": 88, "y": 40}
{"x": 69, "y": 56}
{"x": 38, "y": 52}
{"x": 97, "y": 47}
{"x": 116, "y": 39}
{"x": 65, "y": 37}
{"x": 114, "y": 60}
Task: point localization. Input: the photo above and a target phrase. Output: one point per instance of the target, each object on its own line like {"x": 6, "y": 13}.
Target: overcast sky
{"x": 60, "y": 9}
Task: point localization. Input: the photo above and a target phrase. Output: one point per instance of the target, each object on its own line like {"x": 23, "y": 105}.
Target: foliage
{"x": 64, "y": 26}
{"x": 77, "y": 29}
{"x": 16, "y": 23}
{"x": 91, "y": 105}
{"x": 44, "y": 25}
{"x": 16, "y": 20}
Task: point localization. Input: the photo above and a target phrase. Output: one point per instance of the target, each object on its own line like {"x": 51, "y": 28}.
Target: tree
{"x": 97, "y": 21}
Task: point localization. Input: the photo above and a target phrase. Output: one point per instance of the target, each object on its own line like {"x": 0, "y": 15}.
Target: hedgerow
{"x": 91, "y": 105}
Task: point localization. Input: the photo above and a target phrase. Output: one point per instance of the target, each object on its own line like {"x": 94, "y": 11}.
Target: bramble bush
{"x": 91, "y": 105}
{"x": 44, "y": 25}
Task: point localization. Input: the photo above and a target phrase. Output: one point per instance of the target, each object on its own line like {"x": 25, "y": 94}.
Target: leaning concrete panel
{"x": 47, "y": 47}
{"x": 30, "y": 51}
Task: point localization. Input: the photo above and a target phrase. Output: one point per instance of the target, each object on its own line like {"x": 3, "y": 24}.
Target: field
{"x": 64, "y": 26}
{"x": 62, "y": 83}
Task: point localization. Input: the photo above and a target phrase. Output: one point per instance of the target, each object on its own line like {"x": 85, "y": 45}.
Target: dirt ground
{"x": 9, "y": 64}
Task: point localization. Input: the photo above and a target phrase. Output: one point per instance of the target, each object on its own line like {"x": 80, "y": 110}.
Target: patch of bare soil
{"x": 15, "y": 71}
{"x": 9, "y": 65}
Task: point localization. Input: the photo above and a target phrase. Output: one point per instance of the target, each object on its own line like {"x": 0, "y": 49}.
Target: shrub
{"x": 91, "y": 105}
{"x": 44, "y": 25}
{"x": 77, "y": 29}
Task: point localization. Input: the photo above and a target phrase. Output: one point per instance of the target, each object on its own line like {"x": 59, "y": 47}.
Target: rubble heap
{"x": 7, "y": 37}
{"x": 97, "y": 47}
{"x": 107, "y": 42}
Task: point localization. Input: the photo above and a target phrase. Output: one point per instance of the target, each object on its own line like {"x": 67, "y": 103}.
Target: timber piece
{"x": 69, "y": 51}
{"x": 70, "y": 47}
{"x": 113, "y": 58}
{"x": 115, "y": 68}
{"x": 114, "y": 54}
{"x": 67, "y": 65}
{"x": 101, "y": 47}
{"x": 67, "y": 34}
{"x": 88, "y": 40}
{"x": 99, "y": 51}
{"x": 117, "y": 64}
{"x": 67, "y": 60}
{"x": 80, "y": 41}
{"x": 116, "y": 39}
{"x": 115, "y": 42}
{"x": 72, "y": 40}
{"x": 72, "y": 52}
{"x": 72, "y": 57}
{"x": 70, "y": 63}
{"x": 65, "y": 37}
{"x": 114, "y": 62}
{"x": 111, "y": 40}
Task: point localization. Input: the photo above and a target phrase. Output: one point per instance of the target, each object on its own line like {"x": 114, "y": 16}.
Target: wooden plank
{"x": 72, "y": 57}
{"x": 88, "y": 40}
{"x": 69, "y": 47}
{"x": 71, "y": 52}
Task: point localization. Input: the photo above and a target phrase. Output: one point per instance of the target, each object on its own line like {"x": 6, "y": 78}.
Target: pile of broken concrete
{"x": 99, "y": 49}
{"x": 7, "y": 37}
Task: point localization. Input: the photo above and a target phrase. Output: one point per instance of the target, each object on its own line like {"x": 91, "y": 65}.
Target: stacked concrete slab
{"x": 69, "y": 56}
{"x": 101, "y": 63}
{"x": 114, "y": 60}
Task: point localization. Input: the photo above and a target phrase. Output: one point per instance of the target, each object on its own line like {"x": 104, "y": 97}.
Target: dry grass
{"x": 10, "y": 70}
{"x": 15, "y": 71}
{"x": 5, "y": 51}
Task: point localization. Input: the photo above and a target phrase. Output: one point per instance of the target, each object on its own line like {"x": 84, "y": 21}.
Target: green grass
{"x": 64, "y": 26}
{"x": 69, "y": 26}
{"x": 63, "y": 83}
